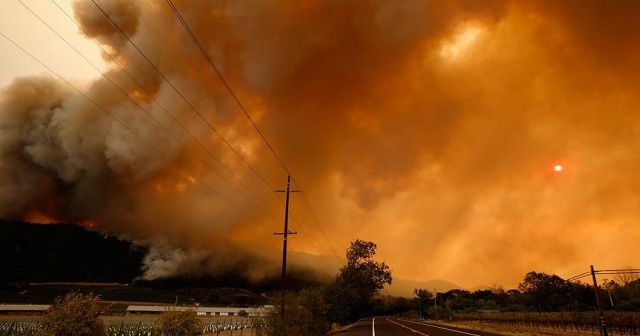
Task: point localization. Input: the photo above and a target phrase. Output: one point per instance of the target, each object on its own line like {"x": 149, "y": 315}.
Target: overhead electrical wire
{"x": 261, "y": 207}
{"x": 627, "y": 270}
{"x": 270, "y": 188}
{"x": 151, "y": 96}
{"x": 103, "y": 74}
{"x": 105, "y": 111}
{"x": 227, "y": 86}
{"x": 215, "y": 68}
{"x": 191, "y": 106}
{"x": 111, "y": 116}
{"x": 604, "y": 272}
{"x": 315, "y": 218}
{"x": 579, "y": 276}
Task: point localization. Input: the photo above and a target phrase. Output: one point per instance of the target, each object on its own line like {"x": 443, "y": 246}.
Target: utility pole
{"x": 435, "y": 303}
{"x": 603, "y": 325}
{"x": 285, "y": 234}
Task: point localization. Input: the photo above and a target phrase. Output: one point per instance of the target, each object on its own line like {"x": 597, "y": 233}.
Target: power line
{"x": 105, "y": 111}
{"x": 151, "y": 96}
{"x": 214, "y": 67}
{"x": 201, "y": 48}
{"x": 269, "y": 187}
{"x": 191, "y": 106}
{"x": 579, "y": 276}
{"x": 261, "y": 207}
{"x": 136, "y": 103}
{"x": 94, "y": 66}
{"x": 624, "y": 270}
{"x": 217, "y": 71}
{"x": 315, "y": 218}
{"x": 139, "y": 107}
{"x": 605, "y": 272}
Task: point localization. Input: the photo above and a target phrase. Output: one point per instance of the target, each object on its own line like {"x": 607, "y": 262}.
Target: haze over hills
{"x": 405, "y": 288}
{"x": 43, "y": 261}
{"x": 70, "y": 253}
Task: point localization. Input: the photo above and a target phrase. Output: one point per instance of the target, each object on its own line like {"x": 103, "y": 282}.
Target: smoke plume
{"x": 430, "y": 127}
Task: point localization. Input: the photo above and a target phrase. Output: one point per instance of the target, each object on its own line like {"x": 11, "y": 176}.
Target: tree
{"x": 625, "y": 278}
{"x": 180, "y": 323}
{"x": 552, "y": 293}
{"x": 424, "y": 300}
{"x": 306, "y": 315}
{"x": 358, "y": 281}
{"x": 74, "y": 315}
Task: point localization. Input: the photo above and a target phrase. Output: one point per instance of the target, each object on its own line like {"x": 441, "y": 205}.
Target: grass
{"x": 512, "y": 331}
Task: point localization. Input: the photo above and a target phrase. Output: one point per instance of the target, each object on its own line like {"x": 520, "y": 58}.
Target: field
{"x": 117, "y": 297}
{"x": 139, "y": 325}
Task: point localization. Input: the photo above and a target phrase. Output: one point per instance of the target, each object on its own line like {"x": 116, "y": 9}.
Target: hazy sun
{"x": 461, "y": 40}
{"x": 558, "y": 168}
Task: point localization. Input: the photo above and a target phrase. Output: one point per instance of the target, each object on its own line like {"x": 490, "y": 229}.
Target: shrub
{"x": 180, "y": 323}
{"x": 74, "y": 315}
{"x": 306, "y": 315}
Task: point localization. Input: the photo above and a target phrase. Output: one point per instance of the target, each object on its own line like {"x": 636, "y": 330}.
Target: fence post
{"x": 603, "y": 324}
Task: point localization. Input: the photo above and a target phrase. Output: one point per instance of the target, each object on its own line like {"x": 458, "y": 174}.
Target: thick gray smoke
{"x": 429, "y": 127}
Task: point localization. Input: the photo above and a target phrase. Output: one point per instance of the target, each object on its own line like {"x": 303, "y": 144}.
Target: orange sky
{"x": 429, "y": 127}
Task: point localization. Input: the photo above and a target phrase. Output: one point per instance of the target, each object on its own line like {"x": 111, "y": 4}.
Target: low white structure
{"x": 201, "y": 311}
{"x": 23, "y": 309}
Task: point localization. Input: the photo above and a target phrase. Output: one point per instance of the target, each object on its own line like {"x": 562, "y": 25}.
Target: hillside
{"x": 65, "y": 253}
{"x": 42, "y": 261}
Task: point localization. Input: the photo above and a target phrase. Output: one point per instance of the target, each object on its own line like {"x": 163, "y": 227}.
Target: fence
{"x": 620, "y": 323}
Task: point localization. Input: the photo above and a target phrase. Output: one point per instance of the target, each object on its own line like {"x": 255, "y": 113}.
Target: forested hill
{"x": 70, "y": 253}
{"x": 64, "y": 252}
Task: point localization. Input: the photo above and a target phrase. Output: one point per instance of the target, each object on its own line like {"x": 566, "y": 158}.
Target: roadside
{"x": 336, "y": 328}
{"x": 361, "y": 327}
{"x": 513, "y": 331}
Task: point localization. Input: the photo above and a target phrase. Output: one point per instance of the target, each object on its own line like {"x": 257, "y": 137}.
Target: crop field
{"x": 619, "y": 323}
{"x": 144, "y": 327}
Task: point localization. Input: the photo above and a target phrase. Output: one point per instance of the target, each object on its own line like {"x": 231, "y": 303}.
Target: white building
{"x": 23, "y": 309}
{"x": 201, "y": 311}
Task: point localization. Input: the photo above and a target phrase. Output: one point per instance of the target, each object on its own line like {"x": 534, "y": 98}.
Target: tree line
{"x": 538, "y": 292}
{"x": 355, "y": 293}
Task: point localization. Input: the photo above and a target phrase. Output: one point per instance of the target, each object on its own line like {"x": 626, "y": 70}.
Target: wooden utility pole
{"x": 285, "y": 234}
{"x": 435, "y": 303}
{"x": 603, "y": 325}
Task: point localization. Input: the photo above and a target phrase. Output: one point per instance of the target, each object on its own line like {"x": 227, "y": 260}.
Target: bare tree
{"x": 626, "y": 277}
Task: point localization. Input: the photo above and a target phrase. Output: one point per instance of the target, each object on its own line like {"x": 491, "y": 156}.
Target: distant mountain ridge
{"x": 71, "y": 253}
{"x": 68, "y": 253}
{"x": 404, "y": 287}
